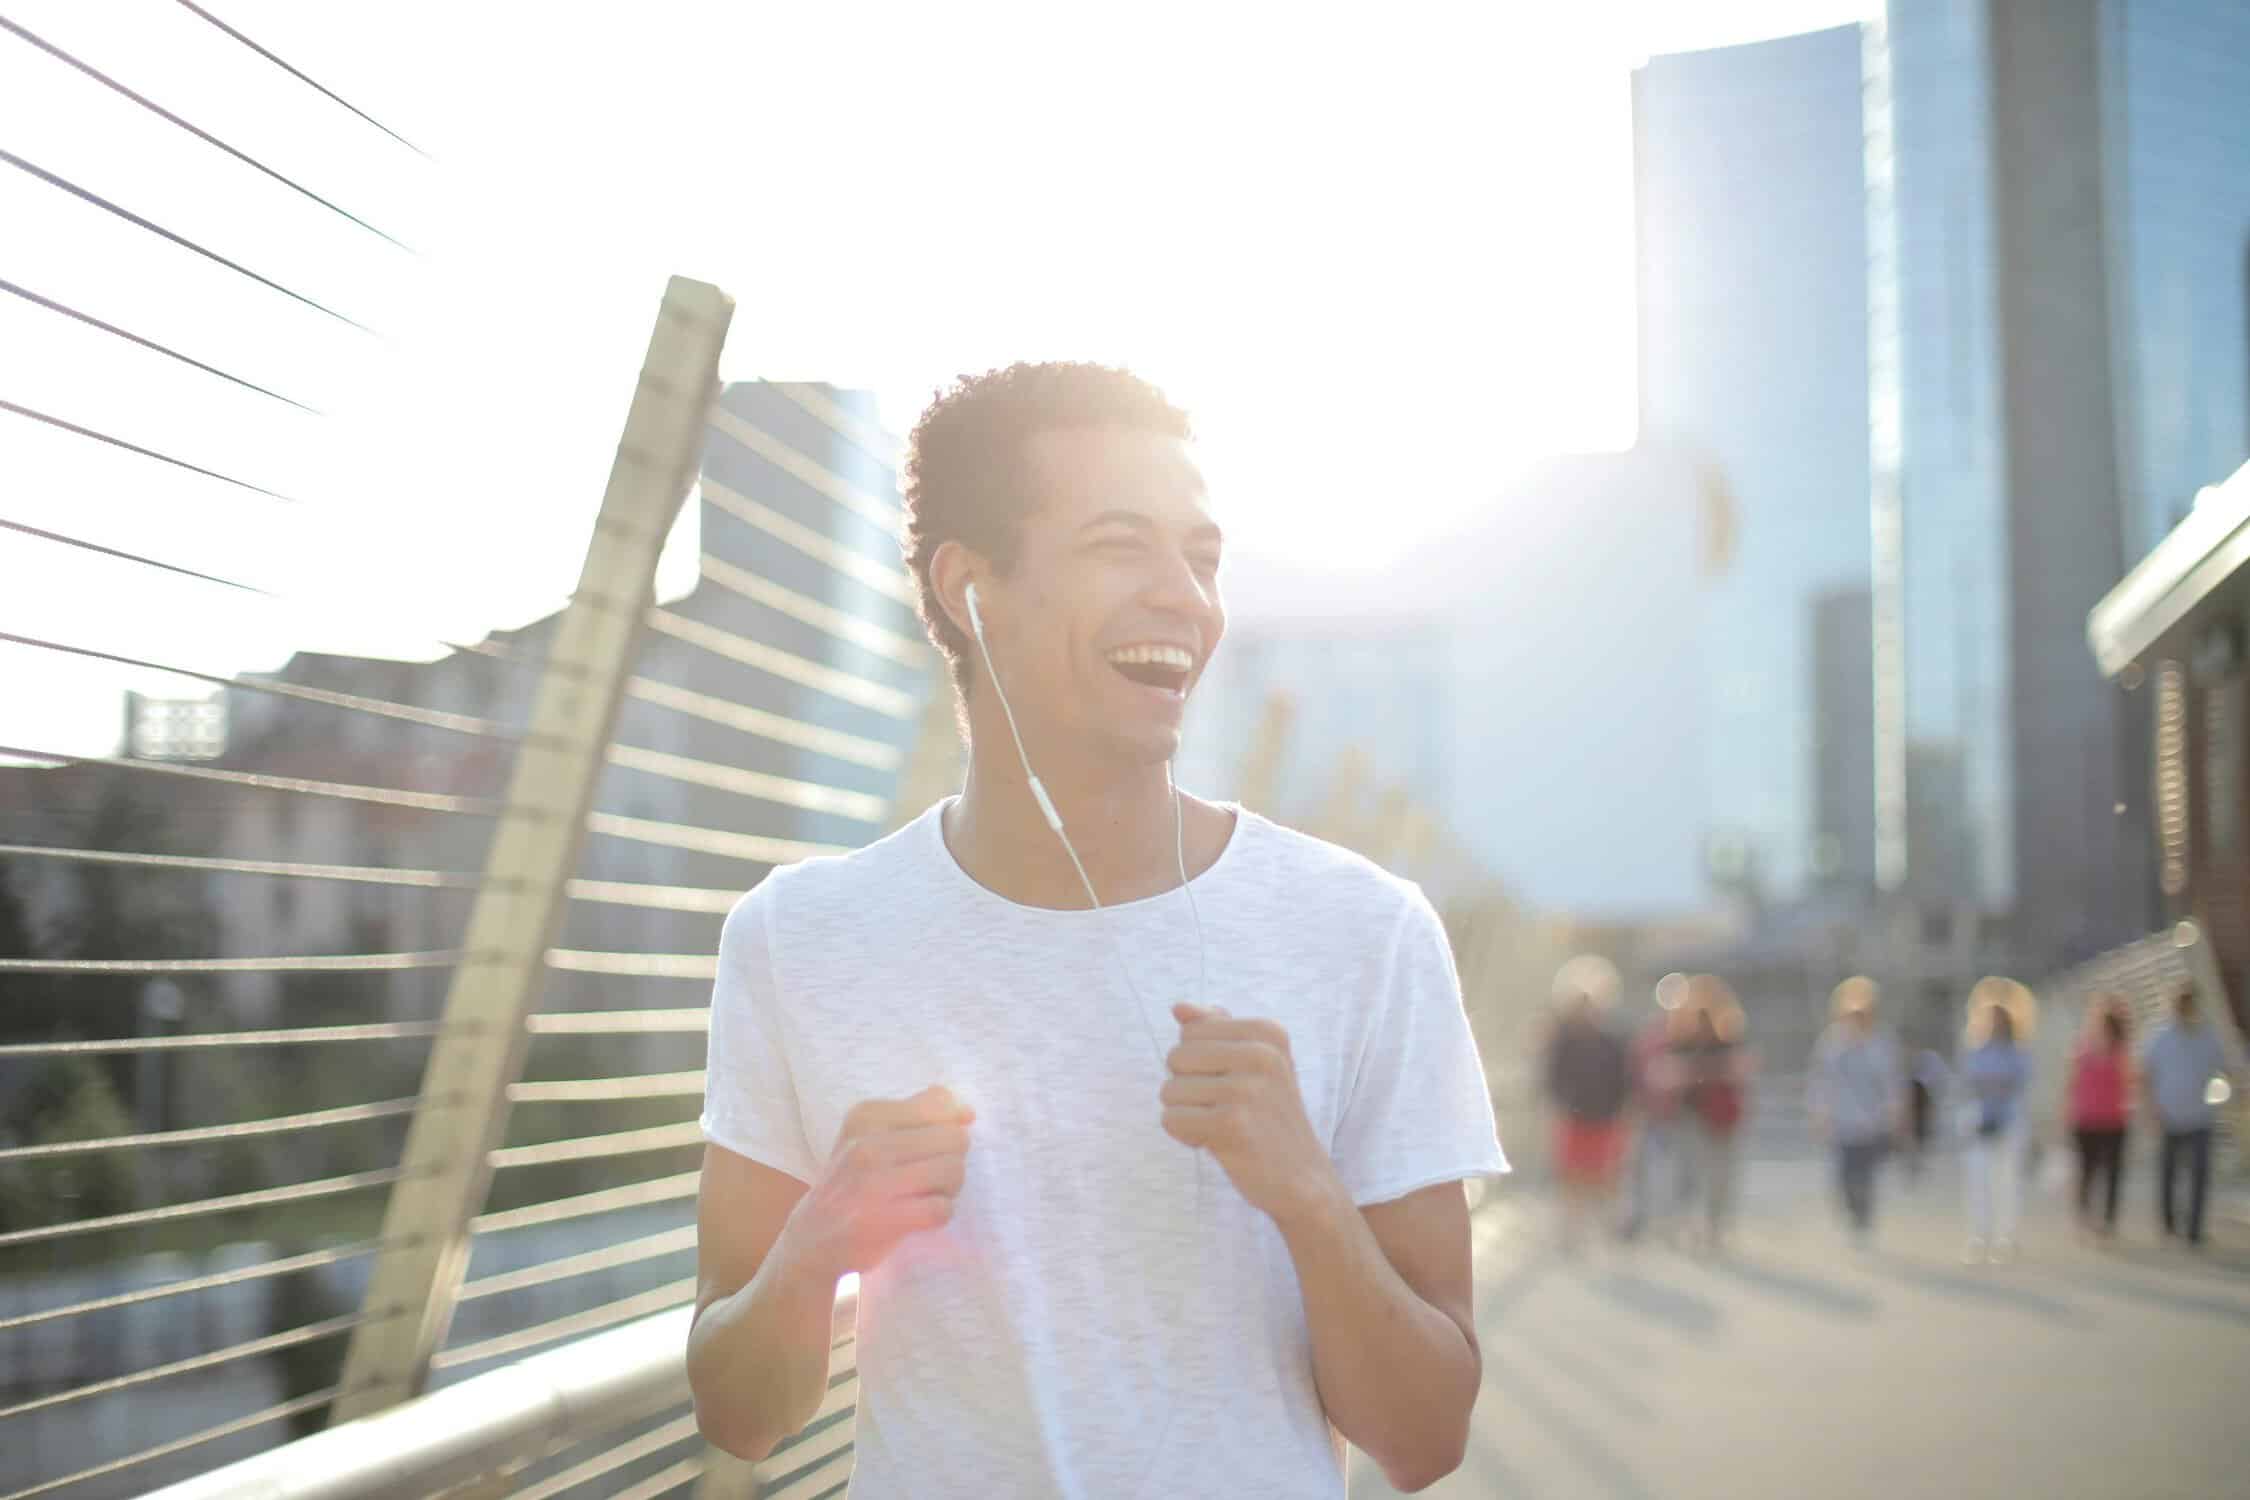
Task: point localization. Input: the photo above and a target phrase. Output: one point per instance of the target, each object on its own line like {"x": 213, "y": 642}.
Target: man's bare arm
{"x": 770, "y": 1252}
{"x": 758, "y": 1352}
{"x": 1387, "y": 1291}
{"x": 1390, "y": 1298}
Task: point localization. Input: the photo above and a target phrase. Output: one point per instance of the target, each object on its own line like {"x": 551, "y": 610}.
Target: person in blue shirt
{"x": 1995, "y": 1076}
{"x": 1854, "y": 1097}
{"x": 2177, "y": 1070}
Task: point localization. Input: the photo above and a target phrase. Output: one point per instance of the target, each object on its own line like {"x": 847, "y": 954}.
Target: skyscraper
{"x": 2176, "y": 83}
{"x": 1754, "y": 355}
{"x": 1843, "y": 699}
{"x": 1952, "y": 709}
{"x": 2075, "y": 358}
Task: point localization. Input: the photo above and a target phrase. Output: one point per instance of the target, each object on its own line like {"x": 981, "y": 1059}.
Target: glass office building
{"x": 2174, "y": 133}
{"x": 1955, "y": 735}
{"x": 1754, "y": 358}
{"x": 2177, "y": 115}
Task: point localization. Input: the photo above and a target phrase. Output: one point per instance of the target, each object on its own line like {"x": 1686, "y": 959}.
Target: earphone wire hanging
{"x": 1101, "y": 918}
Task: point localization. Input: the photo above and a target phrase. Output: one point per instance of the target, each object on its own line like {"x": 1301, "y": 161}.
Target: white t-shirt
{"x": 1105, "y": 1317}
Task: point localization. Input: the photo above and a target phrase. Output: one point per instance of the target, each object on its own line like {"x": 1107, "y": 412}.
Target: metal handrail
{"x": 535, "y": 1406}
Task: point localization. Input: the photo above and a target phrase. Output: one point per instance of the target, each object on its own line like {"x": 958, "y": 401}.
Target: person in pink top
{"x": 2101, "y": 1107}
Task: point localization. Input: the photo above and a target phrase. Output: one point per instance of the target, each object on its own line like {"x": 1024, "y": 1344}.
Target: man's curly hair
{"x": 967, "y": 476}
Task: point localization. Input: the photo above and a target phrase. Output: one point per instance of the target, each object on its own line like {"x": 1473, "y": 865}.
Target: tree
{"x": 112, "y": 912}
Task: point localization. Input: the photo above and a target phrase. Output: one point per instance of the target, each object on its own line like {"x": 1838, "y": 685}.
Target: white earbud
{"x": 976, "y": 621}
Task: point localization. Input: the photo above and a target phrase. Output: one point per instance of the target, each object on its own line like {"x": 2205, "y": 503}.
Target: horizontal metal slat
{"x": 310, "y": 1260}
{"x": 587, "y": 1205}
{"x": 848, "y": 687}
{"x": 444, "y": 802}
{"x": 326, "y": 963}
{"x": 625, "y": 1253}
{"x": 887, "y": 579}
{"x": 782, "y": 730}
{"x": 812, "y": 796}
{"x": 657, "y": 1299}
{"x": 752, "y": 848}
{"x": 324, "y": 1187}
{"x": 287, "y": 1036}
{"x": 842, "y": 624}
{"x": 704, "y": 966}
{"x": 807, "y": 471}
{"x": 349, "y": 1114}
{"x": 592, "y": 1147}
{"x": 585, "y": 1090}
{"x": 618, "y": 1022}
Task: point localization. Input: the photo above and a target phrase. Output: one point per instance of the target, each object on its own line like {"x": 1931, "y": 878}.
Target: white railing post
{"x": 463, "y": 1115}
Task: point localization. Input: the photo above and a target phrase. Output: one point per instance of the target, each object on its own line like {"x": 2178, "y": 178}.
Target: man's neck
{"x": 1119, "y": 820}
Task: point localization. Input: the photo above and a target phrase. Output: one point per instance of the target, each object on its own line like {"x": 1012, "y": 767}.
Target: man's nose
{"x": 1180, "y": 589}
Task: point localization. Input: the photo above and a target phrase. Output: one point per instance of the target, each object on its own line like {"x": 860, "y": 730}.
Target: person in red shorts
{"x": 1588, "y": 1078}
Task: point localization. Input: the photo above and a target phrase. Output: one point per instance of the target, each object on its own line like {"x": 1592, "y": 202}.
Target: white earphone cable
{"x": 1054, "y": 820}
{"x": 1101, "y": 917}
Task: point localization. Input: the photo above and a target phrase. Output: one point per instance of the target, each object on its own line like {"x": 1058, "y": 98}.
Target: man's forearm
{"x": 1397, "y": 1376}
{"x": 758, "y": 1360}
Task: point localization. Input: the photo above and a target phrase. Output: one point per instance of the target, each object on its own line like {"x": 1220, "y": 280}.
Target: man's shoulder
{"x": 1319, "y": 873}
{"x": 868, "y": 879}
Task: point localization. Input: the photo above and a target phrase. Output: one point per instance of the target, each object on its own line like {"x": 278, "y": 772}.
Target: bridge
{"x": 415, "y": 1216}
{"x": 356, "y": 1149}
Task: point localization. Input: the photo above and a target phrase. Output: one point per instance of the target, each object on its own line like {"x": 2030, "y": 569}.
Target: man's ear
{"x": 953, "y": 567}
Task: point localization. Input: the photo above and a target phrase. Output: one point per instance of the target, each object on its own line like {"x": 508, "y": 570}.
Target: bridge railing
{"x": 348, "y": 1187}
{"x": 352, "y": 1034}
{"x": 578, "y": 1416}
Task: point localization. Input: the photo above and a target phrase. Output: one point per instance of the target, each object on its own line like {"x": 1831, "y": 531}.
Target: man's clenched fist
{"x": 897, "y": 1168}
{"x": 1233, "y": 1093}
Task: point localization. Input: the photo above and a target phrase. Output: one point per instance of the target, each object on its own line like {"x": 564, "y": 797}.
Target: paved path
{"x": 1796, "y": 1366}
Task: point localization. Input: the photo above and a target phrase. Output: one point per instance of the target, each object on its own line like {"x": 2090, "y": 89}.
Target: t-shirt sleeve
{"x": 749, "y": 1096}
{"x": 1419, "y": 1112}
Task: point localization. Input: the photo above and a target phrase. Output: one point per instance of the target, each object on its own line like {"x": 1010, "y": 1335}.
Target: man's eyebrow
{"x": 1207, "y": 531}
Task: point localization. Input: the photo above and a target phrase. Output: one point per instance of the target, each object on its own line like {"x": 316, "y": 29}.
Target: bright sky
{"x": 1379, "y": 260}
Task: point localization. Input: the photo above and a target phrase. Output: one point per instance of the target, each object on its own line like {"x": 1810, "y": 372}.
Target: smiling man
{"x": 1146, "y": 1133}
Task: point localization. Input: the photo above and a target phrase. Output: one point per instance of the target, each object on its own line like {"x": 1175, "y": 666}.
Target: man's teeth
{"x": 1153, "y": 656}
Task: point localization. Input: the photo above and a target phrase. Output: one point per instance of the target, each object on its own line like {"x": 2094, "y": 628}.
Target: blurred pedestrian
{"x": 1926, "y": 1079}
{"x": 2181, "y": 1062}
{"x": 1588, "y": 1080}
{"x": 2101, "y": 1108}
{"x": 1714, "y": 1070}
{"x": 1855, "y": 1095}
{"x": 1659, "y": 1146}
{"x": 1995, "y": 1081}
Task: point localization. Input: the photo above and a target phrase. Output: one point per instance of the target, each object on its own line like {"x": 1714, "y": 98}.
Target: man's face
{"x": 1112, "y": 610}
